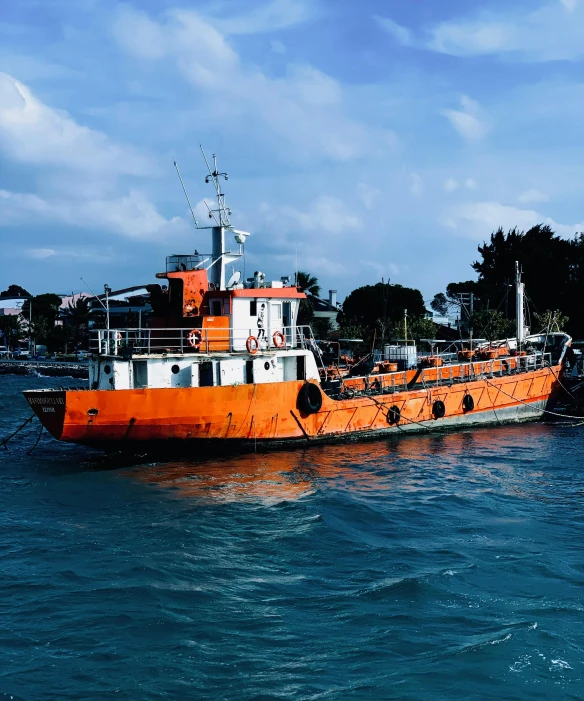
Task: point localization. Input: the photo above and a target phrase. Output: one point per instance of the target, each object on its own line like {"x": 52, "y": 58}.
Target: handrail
{"x": 146, "y": 341}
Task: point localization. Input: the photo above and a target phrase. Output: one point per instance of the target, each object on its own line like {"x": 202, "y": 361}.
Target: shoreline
{"x": 50, "y": 368}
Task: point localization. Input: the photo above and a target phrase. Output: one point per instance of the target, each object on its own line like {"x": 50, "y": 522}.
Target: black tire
{"x": 438, "y": 409}
{"x": 309, "y": 398}
{"x": 393, "y": 415}
{"x": 468, "y": 402}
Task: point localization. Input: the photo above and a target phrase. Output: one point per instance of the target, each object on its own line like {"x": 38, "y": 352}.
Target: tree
{"x": 550, "y": 321}
{"x": 308, "y": 283}
{"x": 321, "y": 328}
{"x": 11, "y": 330}
{"x": 366, "y": 305}
{"x": 77, "y": 316}
{"x": 491, "y": 325}
{"x": 440, "y": 303}
{"x": 45, "y": 310}
{"x": 15, "y": 291}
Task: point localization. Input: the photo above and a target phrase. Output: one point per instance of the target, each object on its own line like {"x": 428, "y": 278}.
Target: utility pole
{"x": 30, "y": 342}
{"x": 107, "y": 289}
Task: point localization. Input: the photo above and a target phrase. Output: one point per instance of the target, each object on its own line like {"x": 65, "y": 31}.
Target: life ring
{"x": 393, "y": 415}
{"x": 252, "y": 345}
{"x": 438, "y": 409}
{"x": 194, "y": 338}
{"x": 309, "y": 398}
{"x": 278, "y": 339}
{"x": 468, "y": 402}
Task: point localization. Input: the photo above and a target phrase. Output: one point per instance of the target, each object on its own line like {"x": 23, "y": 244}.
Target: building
{"x": 324, "y": 309}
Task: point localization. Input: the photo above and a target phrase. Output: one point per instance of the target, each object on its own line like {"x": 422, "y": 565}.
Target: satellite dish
{"x": 234, "y": 279}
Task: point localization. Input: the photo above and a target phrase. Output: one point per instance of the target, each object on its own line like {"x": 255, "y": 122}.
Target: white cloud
{"x": 274, "y": 15}
{"x": 417, "y": 186}
{"x": 551, "y": 32}
{"x": 478, "y": 219}
{"x": 400, "y": 34}
{"x": 277, "y": 46}
{"x": 40, "y": 253}
{"x": 450, "y": 185}
{"x": 532, "y": 197}
{"x": 305, "y": 110}
{"x": 471, "y": 184}
{"x": 325, "y": 213}
{"x": 468, "y": 121}
{"x": 368, "y": 195}
{"x": 133, "y": 216}
{"x": 32, "y": 132}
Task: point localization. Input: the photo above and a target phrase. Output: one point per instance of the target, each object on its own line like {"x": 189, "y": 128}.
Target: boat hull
{"x": 270, "y": 414}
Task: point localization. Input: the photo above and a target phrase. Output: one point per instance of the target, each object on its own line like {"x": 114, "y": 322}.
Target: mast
{"x": 519, "y": 309}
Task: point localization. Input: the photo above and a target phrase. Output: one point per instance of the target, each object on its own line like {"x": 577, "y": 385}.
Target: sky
{"x": 368, "y": 139}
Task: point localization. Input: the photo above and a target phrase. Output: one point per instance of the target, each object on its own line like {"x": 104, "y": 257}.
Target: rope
{"x": 4, "y": 441}
{"x": 28, "y": 452}
{"x": 545, "y": 411}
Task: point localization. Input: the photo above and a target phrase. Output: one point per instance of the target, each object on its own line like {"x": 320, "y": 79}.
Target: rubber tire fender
{"x": 310, "y": 398}
{"x": 393, "y": 415}
{"x": 438, "y": 409}
{"x": 468, "y": 402}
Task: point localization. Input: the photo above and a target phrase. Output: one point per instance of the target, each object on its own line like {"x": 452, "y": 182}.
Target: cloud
{"x": 402, "y": 35}
{"x": 471, "y": 184}
{"x": 478, "y": 219}
{"x": 325, "y": 213}
{"x": 277, "y": 46}
{"x": 304, "y": 111}
{"x": 451, "y": 185}
{"x": 551, "y": 32}
{"x": 32, "y": 132}
{"x": 368, "y": 195}
{"x": 40, "y": 253}
{"x": 417, "y": 186}
{"x": 532, "y": 197}
{"x": 273, "y": 16}
{"x": 133, "y": 216}
{"x": 469, "y": 121}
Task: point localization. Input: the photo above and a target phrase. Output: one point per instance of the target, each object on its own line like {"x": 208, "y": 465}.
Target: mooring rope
{"x": 4, "y": 441}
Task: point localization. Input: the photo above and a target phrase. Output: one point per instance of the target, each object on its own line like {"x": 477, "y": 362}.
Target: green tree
{"x": 367, "y": 304}
{"x": 11, "y": 330}
{"x": 550, "y": 321}
{"x": 308, "y": 283}
{"x": 15, "y": 291}
{"x": 45, "y": 311}
{"x": 491, "y": 325}
{"x": 322, "y": 328}
{"x": 440, "y": 303}
{"x": 77, "y": 317}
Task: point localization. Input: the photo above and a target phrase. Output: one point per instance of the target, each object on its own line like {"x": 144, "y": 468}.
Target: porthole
{"x": 175, "y": 369}
{"x": 267, "y": 365}
{"x": 107, "y": 369}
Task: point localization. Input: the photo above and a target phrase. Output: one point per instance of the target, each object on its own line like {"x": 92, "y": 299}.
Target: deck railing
{"x": 122, "y": 342}
{"x": 403, "y": 380}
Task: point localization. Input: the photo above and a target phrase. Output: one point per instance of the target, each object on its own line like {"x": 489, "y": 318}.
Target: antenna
{"x": 186, "y": 195}
{"x": 214, "y": 177}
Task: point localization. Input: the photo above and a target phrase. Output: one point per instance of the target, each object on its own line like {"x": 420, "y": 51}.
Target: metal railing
{"x": 129, "y": 342}
{"x": 450, "y": 374}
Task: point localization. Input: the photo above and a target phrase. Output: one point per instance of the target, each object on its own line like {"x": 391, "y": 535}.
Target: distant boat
{"x": 225, "y": 363}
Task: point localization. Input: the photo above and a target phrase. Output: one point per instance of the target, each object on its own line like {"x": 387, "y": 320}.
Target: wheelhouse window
{"x": 216, "y": 307}
{"x": 253, "y": 307}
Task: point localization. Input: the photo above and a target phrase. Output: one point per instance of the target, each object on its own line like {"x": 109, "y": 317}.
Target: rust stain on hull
{"x": 234, "y": 413}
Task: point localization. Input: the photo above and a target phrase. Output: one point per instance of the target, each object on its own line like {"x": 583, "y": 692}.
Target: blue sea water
{"x": 429, "y": 567}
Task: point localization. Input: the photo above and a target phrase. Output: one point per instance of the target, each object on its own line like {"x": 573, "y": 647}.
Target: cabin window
{"x": 253, "y": 307}
{"x": 216, "y": 307}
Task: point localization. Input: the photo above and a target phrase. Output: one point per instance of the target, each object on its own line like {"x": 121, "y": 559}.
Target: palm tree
{"x": 308, "y": 283}
{"x": 78, "y": 316}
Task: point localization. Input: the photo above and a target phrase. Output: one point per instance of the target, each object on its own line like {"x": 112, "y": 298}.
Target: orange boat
{"x": 224, "y": 363}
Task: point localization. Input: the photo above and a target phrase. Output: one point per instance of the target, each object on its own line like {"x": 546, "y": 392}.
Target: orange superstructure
{"x": 225, "y": 362}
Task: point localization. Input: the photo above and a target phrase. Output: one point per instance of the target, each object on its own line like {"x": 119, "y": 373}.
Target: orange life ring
{"x": 252, "y": 345}
{"x": 194, "y": 338}
{"x": 278, "y": 339}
